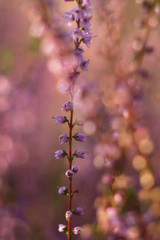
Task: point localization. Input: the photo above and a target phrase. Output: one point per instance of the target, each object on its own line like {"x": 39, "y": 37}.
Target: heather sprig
{"x": 81, "y": 34}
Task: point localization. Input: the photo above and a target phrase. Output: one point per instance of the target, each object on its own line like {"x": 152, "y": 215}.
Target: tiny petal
{"x": 67, "y": 106}
{"x": 69, "y": 18}
{"x": 60, "y": 119}
{"x": 62, "y": 228}
{"x": 63, "y": 138}
{"x": 75, "y": 168}
{"x": 79, "y": 211}
{"x": 77, "y": 34}
{"x": 69, "y": 173}
{"x": 87, "y": 39}
{"x": 63, "y": 190}
{"x": 68, "y": 215}
{"x": 77, "y": 230}
{"x": 79, "y": 154}
{"x": 84, "y": 65}
{"x": 81, "y": 137}
{"x": 60, "y": 154}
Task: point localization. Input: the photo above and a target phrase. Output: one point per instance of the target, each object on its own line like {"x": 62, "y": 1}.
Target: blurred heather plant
{"x": 121, "y": 212}
{"x": 81, "y": 16}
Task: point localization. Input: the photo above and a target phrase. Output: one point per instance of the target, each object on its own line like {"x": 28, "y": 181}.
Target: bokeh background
{"x": 35, "y": 51}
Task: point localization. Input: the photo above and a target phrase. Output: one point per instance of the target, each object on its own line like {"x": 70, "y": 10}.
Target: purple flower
{"x": 77, "y": 34}
{"x": 85, "y": 23}
{"x": 68, "y": 215}
{"x": 60, "y": 154}
{"x": 75, "y": 168}
{"x": 79, "y": 154}
{"x": 87, "y": 2}
{"x": 60, "y": 119}
{"x": 63, "y": 190}
{"x": 87, "y": 7}
{"x": 69, "y": 173}
{"x": 78, "y": 52}
{"x": 63, "y": 138}
{"x": 67, "y": 106}
{"x": 81, "y": 137}
{"x": 79, "y": 211}
{"x": 87, "y": 39}
{"x": 77, "y": 230}
{"x": 84, "y": 65}
{"x": 69, "y": 18}
{"x": 74, "y": 15}
{"x": 62, "y": 228}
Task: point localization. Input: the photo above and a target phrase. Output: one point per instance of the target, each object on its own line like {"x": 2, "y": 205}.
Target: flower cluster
{"x": 73, "y": 169}
{"x": 81, "y": 15}
{"x": 82, "y": 33}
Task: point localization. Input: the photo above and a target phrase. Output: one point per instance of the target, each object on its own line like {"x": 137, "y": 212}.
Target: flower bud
{"x": 79, "y": 154}
{"x": 69, "y": 173}
{"x": 62, "y": 228}
{"x": 77, "y": 230}
{"x": 78, "y": 211}
{"x": 67, "y": 106}
{"x": 75, "y": 168}
{"x": 63, "y": 138}
{"x": 63, "y": 190}
{"x": 68, "y": 215}
{"x": 60, "y": 154}
{"x": 81, "y": 137}
{"x": 60, "y": 119}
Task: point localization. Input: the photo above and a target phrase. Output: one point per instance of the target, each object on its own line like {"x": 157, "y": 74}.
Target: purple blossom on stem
{"x": 78, "y": 211}
{"x": 60, "y": 119}
{"x": 77, "y": 230}
{"x": 69, "y": 173}
{"x": 67, "y": 106}
{"x": 63, "y": 138}
{"x": 84, "y": 65}
{"x": 87, "y": 39}
{"x": 62, "y": 228}
{"x": 79, "y": 154}
{"x": 60, "y": 154}
{"x": 68, "y": 215}
{"x": 63, "y": 190}
{"x": 81, "y": 137}
{"x": 75, "y": 168}
{"x": 85, "y": 23}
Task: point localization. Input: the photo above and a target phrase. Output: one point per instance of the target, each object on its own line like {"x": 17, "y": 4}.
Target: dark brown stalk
{"x": 70, "y": 167}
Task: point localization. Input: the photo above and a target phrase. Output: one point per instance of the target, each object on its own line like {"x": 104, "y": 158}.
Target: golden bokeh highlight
{"x": 155, "y": 194}
{"x": 139, "y": 162}
{"x": 146, "y": 146}
{"x": 147, "y": 179}
{"x": 125, "y": 139}
{"x": 121, "y": 182}
{"x": 140, "y": 134}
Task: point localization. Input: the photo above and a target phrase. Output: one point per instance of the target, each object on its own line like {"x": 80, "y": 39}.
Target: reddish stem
{"x": 70, "y": 167}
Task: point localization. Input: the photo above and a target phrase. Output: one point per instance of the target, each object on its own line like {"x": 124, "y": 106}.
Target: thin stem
{"x": 70, "y": 167}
